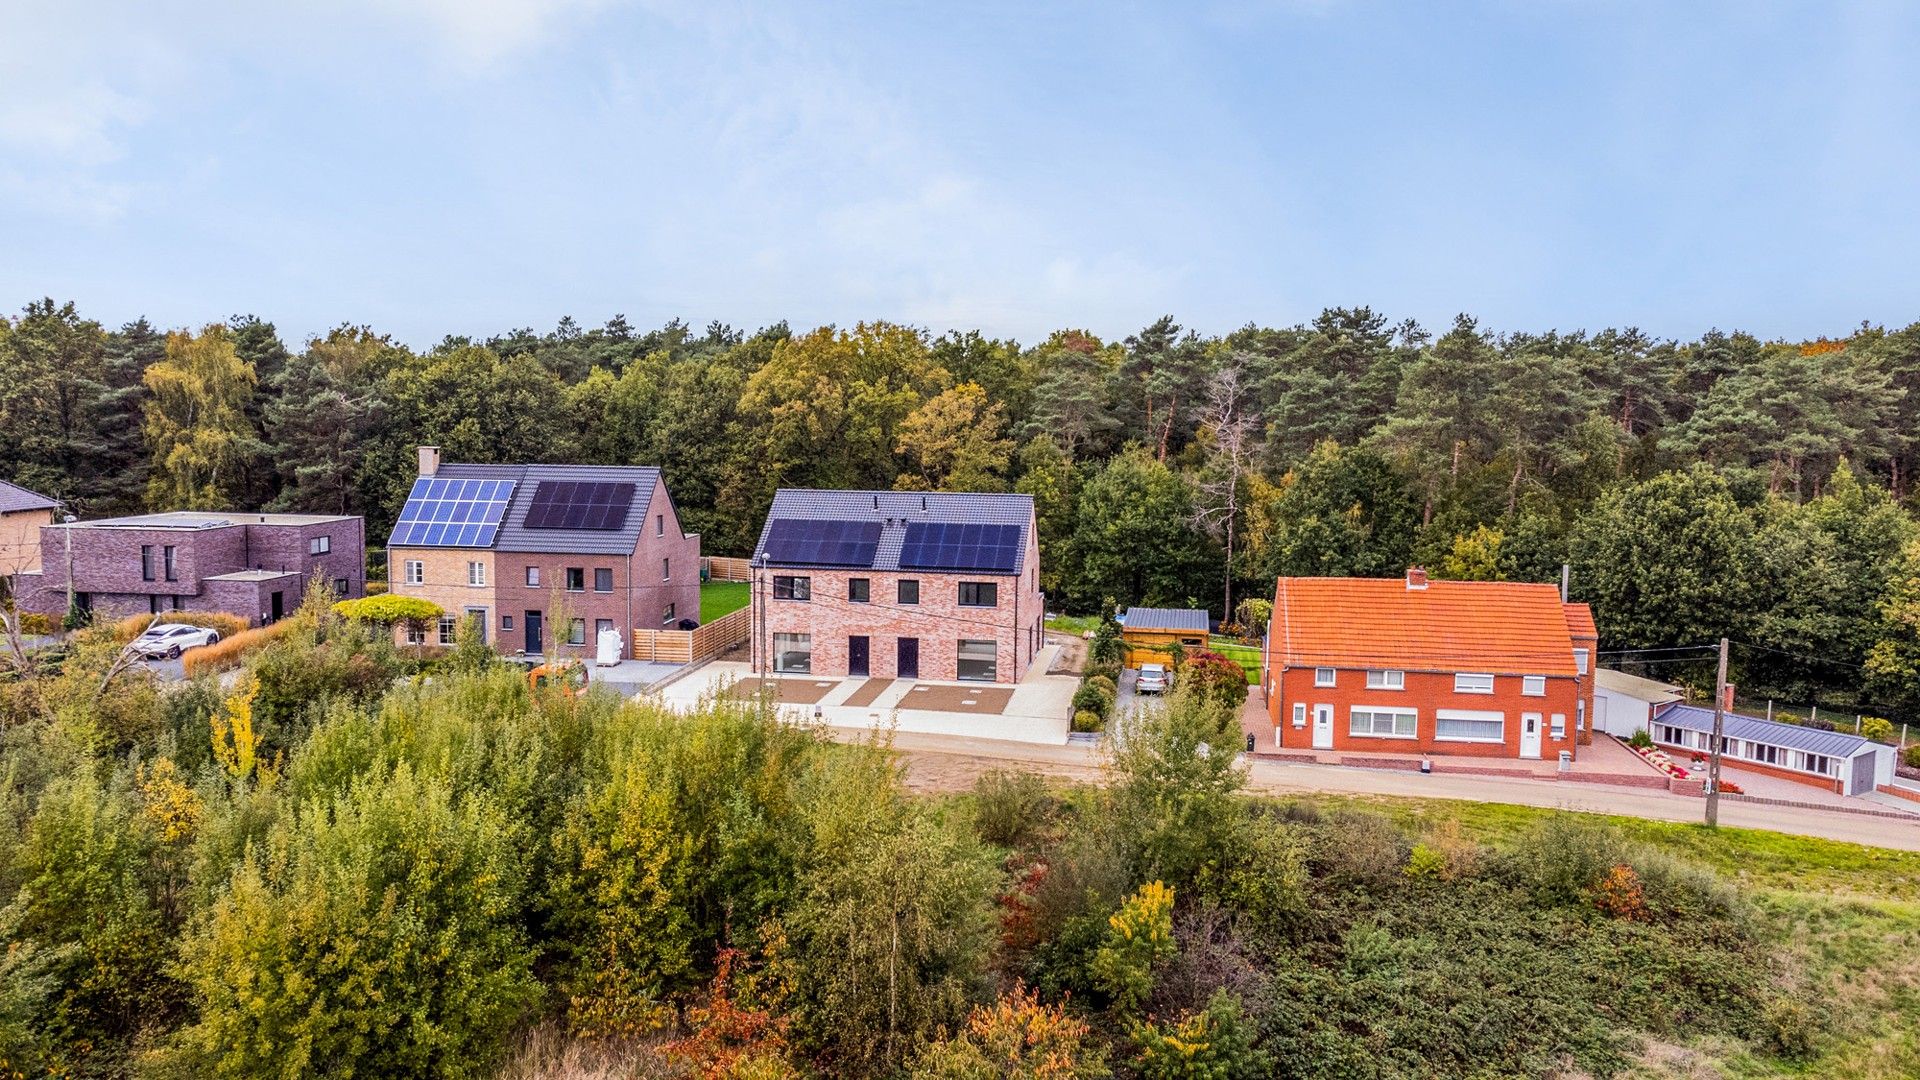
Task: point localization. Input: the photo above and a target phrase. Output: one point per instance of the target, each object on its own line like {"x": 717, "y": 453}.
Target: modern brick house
{"x": 494, "y": 541}
{"x": 894, "y": 584}
{"x": 1412, "y": 666}
{"x": 22, "y": 513}
{"x": 255, "y": 566}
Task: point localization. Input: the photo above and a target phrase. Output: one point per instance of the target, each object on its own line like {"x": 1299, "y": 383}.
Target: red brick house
{"x": 892, "y": 584}
{"x": 495, "y": 541}
{"x": 1412, "y": 666}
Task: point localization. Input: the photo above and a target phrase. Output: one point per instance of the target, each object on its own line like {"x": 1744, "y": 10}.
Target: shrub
{"x": 1912, "y": 755}
{"x": 1139, "y": 936}
{"x": 1640, "y": 739}
{"x": 1105, "y": 685}
{"x": 1018, "y": 1038}
{"x": 227, "y": 653}
{"x": 1008, "y": 805}
{"x": 1087, "y": 721}
{"x": 1879, "y": 729}
{"x": 1619, "y": 895}
{"x": 1109, "y": 670}
{"x": 388, "y": 609}
{"x": 1217, "y": 678}
{"x": 1215, "y": 1042}
{"x": 1254, "y": 613}
{"x": 1091, "y": 698}
{"x": 1106, "y": 646}
{"x": 32, "y": 622}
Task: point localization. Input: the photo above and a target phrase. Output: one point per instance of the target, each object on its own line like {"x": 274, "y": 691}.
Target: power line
{"x": 1803, "y": 656}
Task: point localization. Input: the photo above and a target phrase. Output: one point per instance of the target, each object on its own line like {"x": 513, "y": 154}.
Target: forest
{"x": 346, "y": 859}
{"x": 1724, "y": 486}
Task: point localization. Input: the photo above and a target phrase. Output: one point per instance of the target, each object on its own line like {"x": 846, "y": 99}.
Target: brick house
{"x": 1412, "y": 666}
{"x": 22, "y": 513}
{"x": 494, "y": 541}
{"x": 255, "y": 566}
{"x": 1837, "y": 761}
{"x": 893, "y": 584}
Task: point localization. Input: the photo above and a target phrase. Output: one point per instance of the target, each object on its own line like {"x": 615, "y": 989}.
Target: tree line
{"x": 1761, "y": 490}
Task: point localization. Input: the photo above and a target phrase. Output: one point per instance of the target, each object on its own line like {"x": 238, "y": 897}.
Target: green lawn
{"x": 718, "y": 598}
{"x": 1078, "y": 625}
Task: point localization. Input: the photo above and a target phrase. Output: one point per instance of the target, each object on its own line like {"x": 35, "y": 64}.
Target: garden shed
{"x": 1150, "y": 633}
{"x": 1836, "y": 760}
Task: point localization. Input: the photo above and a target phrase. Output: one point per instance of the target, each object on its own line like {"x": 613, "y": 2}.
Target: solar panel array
{"x": 452, "y": 513}
{"x": 939, "y": 545}
{"x": 804, "y": 542}
{"x": 579, "y": 504}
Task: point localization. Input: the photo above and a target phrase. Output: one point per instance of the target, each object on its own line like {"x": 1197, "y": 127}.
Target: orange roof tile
{"x": 1498, "y": 627}
{"x": 1580, "y": 621}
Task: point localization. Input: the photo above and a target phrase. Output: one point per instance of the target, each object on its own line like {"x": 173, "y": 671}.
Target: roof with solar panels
{"x": 588, "y": 509}
{"x": 932, "y": 531}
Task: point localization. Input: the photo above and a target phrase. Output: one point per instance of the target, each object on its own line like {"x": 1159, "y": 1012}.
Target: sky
{"x": 434, "y": 167}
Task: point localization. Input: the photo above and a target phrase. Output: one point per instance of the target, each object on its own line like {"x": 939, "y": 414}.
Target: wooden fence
{"x": 722, "y": 568}
{"x": 687, "y": 646}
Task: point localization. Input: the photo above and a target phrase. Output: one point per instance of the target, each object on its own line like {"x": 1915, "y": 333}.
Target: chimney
{"x": 1727, "y": 703}
{"x": 429, "y": 460}
{"x": 1416, "y": 578}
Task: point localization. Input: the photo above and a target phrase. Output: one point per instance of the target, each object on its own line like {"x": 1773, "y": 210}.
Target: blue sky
{"x": 468, "y": 166}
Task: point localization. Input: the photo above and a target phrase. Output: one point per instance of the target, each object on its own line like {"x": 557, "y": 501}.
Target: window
{"x": 666, "y": 615}
{"x": 166, "y": 555}
{"x": 859, "y": 590}
{"x": 792, "y": 588}
{"x": 506, "y": 622}
{"x": 1323, "y": 676}
{"x": 415, "y": 571}
{"x": 659, "y": 524}
{"x": 909, "y": 591}
{"x": 1386, "y": 680}
{"x": 666, "y": 570}
{"x": 793, "y": 652}
{"x": 341, "y": 586}
{"x": 602, "y": 579}
{"x": 1559, "y": 728}
{"x": 1580, "y": 661}
{"x": 533, "y": 577}
{"x": 1299, "y": 714}
{"x": 146, "y": 562}
{"x": 1463, "y": 725}
{"x": 600, "y": 626}
{"x": 319, "y": 545}
{"x": 478, "y": 616}
{"x": 416, "y": 636}
{"x": 1533, "y": 685}
{"x": 977, "y": 660}
{"x": 449, "y": 627}
{"x": 1473, "y": 684}
{"x": 577, "y": 632}
{"x": 476, "y": 573}
{"x": 576, "y": 579}
{"x": 1382, "y": 723}
{"x": 1580, "y": 714}
{"x": 153, "y": 605}
{"x": 979, "y": 594}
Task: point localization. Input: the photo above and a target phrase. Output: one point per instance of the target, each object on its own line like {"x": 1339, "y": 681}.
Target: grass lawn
{"x": 718, "y": 598}
{"x": 1077, "y": 625}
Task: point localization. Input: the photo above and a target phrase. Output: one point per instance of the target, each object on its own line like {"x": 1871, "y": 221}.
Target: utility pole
{"x": 1719, "y": 725}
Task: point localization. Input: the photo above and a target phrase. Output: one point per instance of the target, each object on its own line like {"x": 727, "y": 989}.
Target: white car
{"x": 1153, "y": 679}
{"x": 172, "y": 639}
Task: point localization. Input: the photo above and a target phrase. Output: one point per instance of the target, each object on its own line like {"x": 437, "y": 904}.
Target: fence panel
{"x": 723, "y": 568}
{"x": 686, "y": 646}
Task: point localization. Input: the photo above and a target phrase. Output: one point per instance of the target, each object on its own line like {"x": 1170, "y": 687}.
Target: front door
{"x": 279, "y": 603}
{"x": 1530, "y": 735}
{"x": 533, "y": 632}
{"x": 857, "y": 655}
{"x": 907, "y": 665}
{"x": 1323, "y": 727}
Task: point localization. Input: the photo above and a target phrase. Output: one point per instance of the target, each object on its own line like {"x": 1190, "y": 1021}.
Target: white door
{"x": 1323, "y": 728}
{"x": 1530, "y": 735}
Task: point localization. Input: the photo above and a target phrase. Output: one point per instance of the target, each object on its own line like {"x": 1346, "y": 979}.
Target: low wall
{"x": 1900, "y": 792}
{"x": 687, "y": 646}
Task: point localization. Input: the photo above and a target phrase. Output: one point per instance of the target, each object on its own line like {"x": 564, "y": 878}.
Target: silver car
{"x": 1153, "y": 679}
{"x": 172, "y": 639}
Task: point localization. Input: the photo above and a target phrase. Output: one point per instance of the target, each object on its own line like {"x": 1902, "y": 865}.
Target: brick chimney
{"x": 1416, "y": 578}
{"x": 1728, "y": 703}
{"x": 429, "y": 460}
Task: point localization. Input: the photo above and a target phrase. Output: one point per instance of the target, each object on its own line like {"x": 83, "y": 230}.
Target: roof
{"x": 15, "y": 499}
{"x": 1633, "y": 686}
{"x": 894, "y": 511}
{"x": 514, "y": 534}
{"x": 1771, "y": 732}
{"x": 207, "y": 519}
{"x": 1580, "y": 621}
{"x": 1496, "y": 627}
{"x": 252, "y": 575}
{"x": 1160, "y": 618}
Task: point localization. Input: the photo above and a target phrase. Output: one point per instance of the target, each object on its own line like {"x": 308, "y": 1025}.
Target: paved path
{"x": 949, "y": 763}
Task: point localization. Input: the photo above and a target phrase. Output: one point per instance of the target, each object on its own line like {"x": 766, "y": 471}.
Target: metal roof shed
{"x": 1851, "y": 764}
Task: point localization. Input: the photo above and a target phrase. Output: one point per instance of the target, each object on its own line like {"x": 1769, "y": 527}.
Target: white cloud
{"x": 486, "y": 31}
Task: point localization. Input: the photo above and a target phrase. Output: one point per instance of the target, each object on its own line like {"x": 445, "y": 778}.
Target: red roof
{"x": 1496, "y": 627}
{"x": 1580, "y": 621}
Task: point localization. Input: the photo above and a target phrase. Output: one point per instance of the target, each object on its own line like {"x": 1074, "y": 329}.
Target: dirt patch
{"x": 1072, "y": 657}
{"x": 785, "y": 691}
{"x": 868, "y": 693}
{"x": 981, "y": 701}
{"x": 932, "y": 773}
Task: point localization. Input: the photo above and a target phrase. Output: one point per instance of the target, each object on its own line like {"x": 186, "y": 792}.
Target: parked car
{"x": 1153, "y": 679}
{"x": 172, "y": 639}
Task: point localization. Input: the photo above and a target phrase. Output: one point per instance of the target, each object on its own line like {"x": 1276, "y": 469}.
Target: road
{"x": 939, "y": 763}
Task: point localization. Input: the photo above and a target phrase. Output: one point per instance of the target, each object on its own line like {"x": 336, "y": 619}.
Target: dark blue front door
{"x": 533, "y": 631}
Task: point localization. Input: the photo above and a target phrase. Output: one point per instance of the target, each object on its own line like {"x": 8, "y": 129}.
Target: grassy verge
{"x": 719, "y": 598}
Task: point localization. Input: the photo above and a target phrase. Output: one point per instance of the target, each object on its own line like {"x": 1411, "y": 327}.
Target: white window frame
{"x": 319, "y": 545}
{"x": 1580, "y": 715}
{"x": 1299, "y": 714}
{"x": 449, "y": 629}
{"x": 666, "y": 615}
{"x": 477, "y": 574}
{"x": 1533, "y": 686}
{"x": 1412, "y": 717}
{"x": 533, "y": 577}
{"x": 1386, "y": 679}
{"x": 1580, "y": 661}
{"x": 1470, "y": 716}
{"x": 413, "y": 572}
{"x": 577, "y": 632}
{"x": 1461, "y": 685}
{"x": 666, "y": 569}
{"x": 1558, "y": 727}
{"x": 1325, "y": 676}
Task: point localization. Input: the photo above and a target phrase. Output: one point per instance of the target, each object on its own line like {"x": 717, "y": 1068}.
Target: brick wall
{"x": 445, "y": 583}
{"x": 1425, "y": 692}
{"x": 1732, "y": 767}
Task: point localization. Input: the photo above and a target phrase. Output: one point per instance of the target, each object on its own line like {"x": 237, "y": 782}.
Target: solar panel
{"x": 947, "y": 545}
{"x": 451, "y": 513}
{"x": 803, "y": 542}
{"x": 594, "y": 505}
